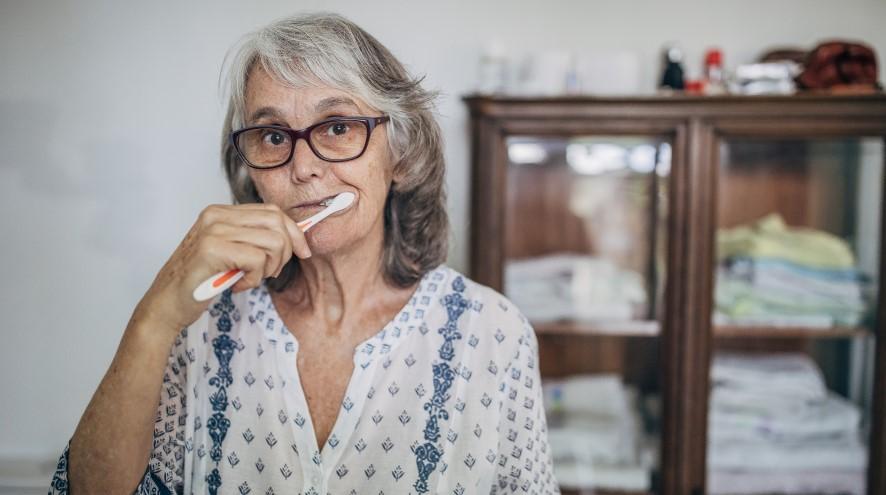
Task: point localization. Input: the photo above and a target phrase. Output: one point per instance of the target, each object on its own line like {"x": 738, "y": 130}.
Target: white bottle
{"x": 493, "y": 73}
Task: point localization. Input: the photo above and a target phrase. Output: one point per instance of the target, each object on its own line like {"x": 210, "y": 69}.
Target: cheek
{"x": 374, "y": 198}
{"x": 266, "y": 183}
{"x": 372, "y": 184}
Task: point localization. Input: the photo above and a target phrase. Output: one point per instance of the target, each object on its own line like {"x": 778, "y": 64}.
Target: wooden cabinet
{"x": 666, "y": 242}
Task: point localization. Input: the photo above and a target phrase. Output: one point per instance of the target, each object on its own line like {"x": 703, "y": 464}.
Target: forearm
{"x": 112, "y": 443}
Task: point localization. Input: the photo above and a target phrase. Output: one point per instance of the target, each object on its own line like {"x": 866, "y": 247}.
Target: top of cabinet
{"x": 803, "y": 104}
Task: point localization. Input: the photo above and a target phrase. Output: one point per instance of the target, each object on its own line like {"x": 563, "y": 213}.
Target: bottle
{"x": 493, "y": 70}
{"x": 713, "y": 72}
{"x": 572, "y": 84}
{"x": 673, "y": 71}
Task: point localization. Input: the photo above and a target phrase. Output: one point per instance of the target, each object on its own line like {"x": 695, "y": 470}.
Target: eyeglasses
{"x": 338, "y": 139}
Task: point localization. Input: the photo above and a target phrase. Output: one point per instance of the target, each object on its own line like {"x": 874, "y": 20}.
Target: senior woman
{"x": 349, "y": 359}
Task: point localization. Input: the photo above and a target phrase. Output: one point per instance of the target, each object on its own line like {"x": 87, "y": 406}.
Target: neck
{"x": 337, "y": 288}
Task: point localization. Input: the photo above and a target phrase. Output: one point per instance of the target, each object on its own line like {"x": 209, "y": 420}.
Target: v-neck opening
{"x": 365, "y": 363}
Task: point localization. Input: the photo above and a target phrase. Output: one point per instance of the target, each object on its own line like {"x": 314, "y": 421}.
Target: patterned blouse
{"x": 445, "y": 399}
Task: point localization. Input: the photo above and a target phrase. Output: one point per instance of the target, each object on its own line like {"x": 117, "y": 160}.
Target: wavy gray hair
{"x": 330, "y": 50}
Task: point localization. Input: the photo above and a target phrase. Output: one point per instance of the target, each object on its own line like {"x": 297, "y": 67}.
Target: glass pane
{"x": 584, "y": 259}
{"x": 798, "y": 252}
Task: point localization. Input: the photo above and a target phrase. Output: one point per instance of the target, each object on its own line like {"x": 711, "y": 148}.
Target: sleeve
{"x": 524, "y": 461}
{"x": 165, "y": 471}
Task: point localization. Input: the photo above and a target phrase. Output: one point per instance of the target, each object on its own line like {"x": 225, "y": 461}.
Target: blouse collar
{"x": 410, "y": 318}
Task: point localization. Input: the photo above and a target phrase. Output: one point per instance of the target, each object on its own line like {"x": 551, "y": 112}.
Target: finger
{"x": 291, "y": 226}
{"x": 268, "y": 216}
{"x": 276, "y": 245}
{"x": 227, "y": 255}
{"x": 299, "y": 241}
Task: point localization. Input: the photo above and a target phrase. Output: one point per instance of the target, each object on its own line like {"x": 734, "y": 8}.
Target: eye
{"x": 275, "y": 138}
{"x": 338, "y": 129}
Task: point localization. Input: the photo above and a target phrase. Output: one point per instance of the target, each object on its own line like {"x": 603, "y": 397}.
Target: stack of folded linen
{"x": 595, "y": 433}
{"x": 770, "y": 274}
{"x": 574, "y": 287}
{"x": 773, "y": 427}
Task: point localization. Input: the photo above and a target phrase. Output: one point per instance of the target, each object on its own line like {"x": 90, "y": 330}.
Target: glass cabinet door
{"x": 797, "y": 258}
{"x": 584, "y": 261}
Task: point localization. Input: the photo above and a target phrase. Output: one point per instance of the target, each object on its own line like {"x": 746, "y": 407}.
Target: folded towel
{"x": 593, "y": 418}
{"x": 791, "y": 375}
{"x": 602, "y": 395}
{"x": 780, "y": 421}
{"x": 774, "y": 412}
{"x": 574, "y": 287}
{"x": 771, "y": 238}
{"x": 777, "y": 275}
{"x": 613, "y": 445}
{"x": 739, "y": 299}
{"x": 839, "y": 454}
{"x": 848, "y": 482}
{"x": 577, "y": 476}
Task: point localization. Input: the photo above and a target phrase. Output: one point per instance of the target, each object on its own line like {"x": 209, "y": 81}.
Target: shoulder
{"x": 485, "y": 313}
{"x": 484, "y": 300}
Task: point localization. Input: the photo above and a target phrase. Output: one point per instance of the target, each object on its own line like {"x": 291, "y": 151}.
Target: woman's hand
{"x": 256, "y": 238}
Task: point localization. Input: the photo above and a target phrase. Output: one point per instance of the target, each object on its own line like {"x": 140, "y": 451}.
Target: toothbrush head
{"x": 340, "y": 202}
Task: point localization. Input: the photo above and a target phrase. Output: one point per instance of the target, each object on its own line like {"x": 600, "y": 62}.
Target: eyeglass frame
{"x": 295, "y": 134}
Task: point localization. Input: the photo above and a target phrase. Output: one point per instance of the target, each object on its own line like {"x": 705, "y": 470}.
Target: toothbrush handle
{"x": 219, "y": 282}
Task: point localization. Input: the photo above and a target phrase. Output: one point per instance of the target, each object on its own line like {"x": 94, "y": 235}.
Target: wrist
{"x": 149, "y": 319}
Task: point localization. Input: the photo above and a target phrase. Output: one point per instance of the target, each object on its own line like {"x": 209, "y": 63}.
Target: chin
{"x": 327, "y": 239}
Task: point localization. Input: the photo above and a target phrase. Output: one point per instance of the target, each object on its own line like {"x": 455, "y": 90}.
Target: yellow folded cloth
{"x": 771, "y": 238}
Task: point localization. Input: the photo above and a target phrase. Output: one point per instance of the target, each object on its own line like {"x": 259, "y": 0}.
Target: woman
{"x": 348, "y": 359}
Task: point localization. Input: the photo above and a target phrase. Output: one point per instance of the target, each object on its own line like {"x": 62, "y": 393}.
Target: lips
{"x": 315, "y": 203}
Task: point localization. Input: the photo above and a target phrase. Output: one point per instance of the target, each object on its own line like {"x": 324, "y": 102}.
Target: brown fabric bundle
{"x": 835, "y": 64}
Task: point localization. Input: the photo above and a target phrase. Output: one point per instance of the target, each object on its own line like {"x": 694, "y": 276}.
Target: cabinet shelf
{"x": 567, "y": 491}
{"x": 650, "y": 328}
{"x": 615, "y": 328}
{"x": 756, "y": 331}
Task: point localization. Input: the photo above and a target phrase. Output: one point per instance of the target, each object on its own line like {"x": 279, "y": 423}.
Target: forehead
{"x": 264, "y": 92}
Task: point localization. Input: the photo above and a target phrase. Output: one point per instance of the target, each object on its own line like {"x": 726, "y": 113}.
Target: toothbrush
{"x": 217, "y": 283}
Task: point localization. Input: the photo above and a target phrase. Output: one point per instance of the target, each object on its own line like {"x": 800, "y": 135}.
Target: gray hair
{"x": 327, "y": 49}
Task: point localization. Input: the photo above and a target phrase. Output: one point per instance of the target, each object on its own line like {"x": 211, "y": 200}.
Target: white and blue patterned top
{"x": 445, "y": 399}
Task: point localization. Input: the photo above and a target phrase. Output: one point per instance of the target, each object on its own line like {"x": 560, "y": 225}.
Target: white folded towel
{"x": 791, "y": 375}
{"x": 841, "y": 454}
{"x": 730, "y": 419}
{"x": 601, "y": 394}
{"x": 848, "y": 482}
{"x": 574, "y": 287}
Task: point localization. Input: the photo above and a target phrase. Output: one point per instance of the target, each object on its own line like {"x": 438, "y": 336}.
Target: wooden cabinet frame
{"x": 694, "y": 126}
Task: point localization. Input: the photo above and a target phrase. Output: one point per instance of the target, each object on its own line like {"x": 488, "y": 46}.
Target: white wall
{"x": 110, "y": 119}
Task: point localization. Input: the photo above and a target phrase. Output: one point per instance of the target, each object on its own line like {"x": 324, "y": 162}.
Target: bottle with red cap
{"x": 713, "y": 72}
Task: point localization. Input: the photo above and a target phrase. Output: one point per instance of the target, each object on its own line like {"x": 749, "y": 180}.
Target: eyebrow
{"x": 334, "y": 101}
{"x": 264, "y": 112}
{"x": 323, "y": 105}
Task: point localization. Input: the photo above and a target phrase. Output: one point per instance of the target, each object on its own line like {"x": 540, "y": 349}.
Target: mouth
{"x": 307, "y": 209}
{"x": 321, "y": 203}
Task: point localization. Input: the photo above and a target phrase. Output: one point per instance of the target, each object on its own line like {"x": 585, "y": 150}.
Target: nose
{"x": 306, "y": 166}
